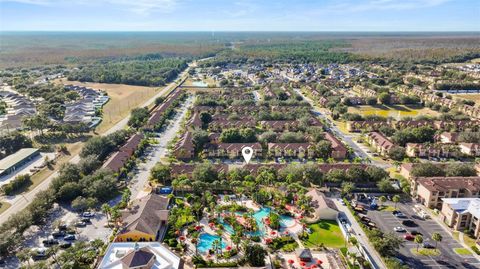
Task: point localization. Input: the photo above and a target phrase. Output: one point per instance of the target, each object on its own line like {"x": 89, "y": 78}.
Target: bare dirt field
{"x": 471, "y": 96}
{"x": 123, "y": 98}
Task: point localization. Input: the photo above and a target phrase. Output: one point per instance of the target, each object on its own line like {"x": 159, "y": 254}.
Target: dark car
{"x": 415, "y": 232}
{"x": 65, "y": 245}
{"x": 69, "y": 237}
{"x": 409, "y": 223}
{"x": 62, "y": 227}
{"x": 50, "y": 242}
{"x": 58, "y": 233}
{"x": 86, "y": 220}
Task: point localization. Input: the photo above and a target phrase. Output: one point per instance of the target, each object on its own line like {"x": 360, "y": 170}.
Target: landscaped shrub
{"x": 16, "y": 184}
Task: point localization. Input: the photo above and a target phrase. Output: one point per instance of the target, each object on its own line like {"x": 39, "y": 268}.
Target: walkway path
{"x": 361, "y": 236}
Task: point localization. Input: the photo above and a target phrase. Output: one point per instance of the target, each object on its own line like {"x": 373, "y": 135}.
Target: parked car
{"x": 62, "y": 227}
{"x": 399, "y": 229}
{"x": 39, "y": 254}
{"x": 80, "y": 224}
{"x": 428, "y": 245}
{"x": 415, "y": 232}
{"x": 58, "y": 233}
{"x": 65, "y": 245}
{"x": 399, "y": 214}
{"x": 409, "y": 223}
{"x": 86, "y": 220}
{"x": 409, "y": 236}
{"x": 69, "y": 237}
{"x": 50, "y": 242}
{"x": 88, "y": 214}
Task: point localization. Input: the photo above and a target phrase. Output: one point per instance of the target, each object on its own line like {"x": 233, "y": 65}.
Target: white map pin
{"x": 247, "y": 153}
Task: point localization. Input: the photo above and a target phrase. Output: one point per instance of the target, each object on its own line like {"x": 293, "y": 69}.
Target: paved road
{"x": 22, "y": 201}
{"x": 158, "y": 151}
{"x": 358, "y": 151}
{"x": 360, "y": 235}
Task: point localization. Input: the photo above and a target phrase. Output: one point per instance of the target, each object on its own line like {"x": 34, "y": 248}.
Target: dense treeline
{"x": 12, "y": 142}
{"x": 142, "y": 72}
{"x": 448, "y": 86}
{"x": 286, "y": 52}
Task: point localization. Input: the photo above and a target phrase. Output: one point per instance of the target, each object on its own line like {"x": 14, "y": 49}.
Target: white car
{"x": 399, "y": 229}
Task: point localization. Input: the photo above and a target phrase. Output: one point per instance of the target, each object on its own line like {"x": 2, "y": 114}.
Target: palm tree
{"x": 219, "y": 232}
{"x": 106, "y": 209}
{"x": 418, "y": 240}
{"x": 382, "y": 200}
{"x": 195, "y": 242}
{"x": 437, "y": 237}
{"x": 396, "y": 199}
{"x": 236, "y": 239}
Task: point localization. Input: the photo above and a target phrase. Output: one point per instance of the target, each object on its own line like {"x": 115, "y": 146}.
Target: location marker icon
{"x": 247, "y": 153}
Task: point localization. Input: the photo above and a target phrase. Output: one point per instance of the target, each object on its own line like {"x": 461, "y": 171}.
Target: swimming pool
{"x": 285, "y": 221}
{"x": 205, "y": 242}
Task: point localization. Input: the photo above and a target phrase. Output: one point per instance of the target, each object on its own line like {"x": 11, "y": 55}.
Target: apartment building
{"x": 431, "y": 190}
{"x": 462, "y": 214}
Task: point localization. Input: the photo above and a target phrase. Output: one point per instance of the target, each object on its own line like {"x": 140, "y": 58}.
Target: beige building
{"x": 431, "y": 190}
{"x": 462, "y": 214}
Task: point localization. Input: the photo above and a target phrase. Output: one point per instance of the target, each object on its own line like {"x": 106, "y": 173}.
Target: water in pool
{"x": 205, "y": 242}
{"x": 285, "y": 221}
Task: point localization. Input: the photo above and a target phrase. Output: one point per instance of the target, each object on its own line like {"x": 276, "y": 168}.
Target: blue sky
{"x": 240, "y": 15}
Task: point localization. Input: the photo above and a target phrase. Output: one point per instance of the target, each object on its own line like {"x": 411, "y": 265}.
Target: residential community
{"x": 260, "y": 149}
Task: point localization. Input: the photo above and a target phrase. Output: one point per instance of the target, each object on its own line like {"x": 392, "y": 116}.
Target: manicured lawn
{"x": 4, "y": 206}
{"x": 462, "y": 251}
{"x": 387, "y": 208}
{"x": 326, "y": 232}
{"x": 425, "y": 252}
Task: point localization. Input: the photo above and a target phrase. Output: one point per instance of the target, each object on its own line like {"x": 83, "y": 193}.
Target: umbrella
{"x": 319, "y": 262}
{"x": 182, "y": 238}
{"x": 198, "y": 227}
{"x": 211, "y": 224}
{"x": 229, "y": 248}
{"x": 291, "y": 261}
{"x": 273, "y": 233}
{"x": 313, "y": 266}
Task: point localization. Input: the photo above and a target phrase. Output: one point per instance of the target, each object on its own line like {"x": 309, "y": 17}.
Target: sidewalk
{"x": 361, "y": 236}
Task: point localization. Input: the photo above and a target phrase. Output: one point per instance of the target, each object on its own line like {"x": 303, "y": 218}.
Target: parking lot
{"x": 386, "y": 221}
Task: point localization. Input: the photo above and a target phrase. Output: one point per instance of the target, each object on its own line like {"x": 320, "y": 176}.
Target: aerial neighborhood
{"x": 242, "y": 154}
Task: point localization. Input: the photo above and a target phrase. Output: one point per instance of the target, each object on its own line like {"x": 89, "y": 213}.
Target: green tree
{"x": 382, "y": 200}
{"x": 138, "y": 117}
{"x": 347, "y": 188}
{"x": 418, "y": 240}
{"x": 437, "y": 237}
{"x": 384, "y": 98}
{"x": 323, "y": 149}
{"x": 161, "y": 173}
{"x": 255, "y": 255}
{"x": 396, "y": 199}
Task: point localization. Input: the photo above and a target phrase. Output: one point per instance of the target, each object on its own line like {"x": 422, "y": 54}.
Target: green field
{"x": 397, "y": 111}
{"x": 462, "y": 251}
{"x": 326, "y": 232}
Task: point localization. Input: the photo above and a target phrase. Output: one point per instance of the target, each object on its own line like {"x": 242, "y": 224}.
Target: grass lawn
{"x": 386, "y": 208}
{"x": 123, "y": 98}
{"x": 326, "y": 232}
{"x": 395, "y": 111}
{"x": 469, "y": 241}
{"x": 462, "y": 251}
{"x": 425, "y": 252}
{"x": 4, "y": 206}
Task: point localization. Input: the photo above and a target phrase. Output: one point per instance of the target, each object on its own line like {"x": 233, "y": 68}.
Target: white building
{"x": 145, "y": 255}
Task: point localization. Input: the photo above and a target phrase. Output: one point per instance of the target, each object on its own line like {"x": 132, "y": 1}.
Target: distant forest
{"x": 146, "y": 70}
